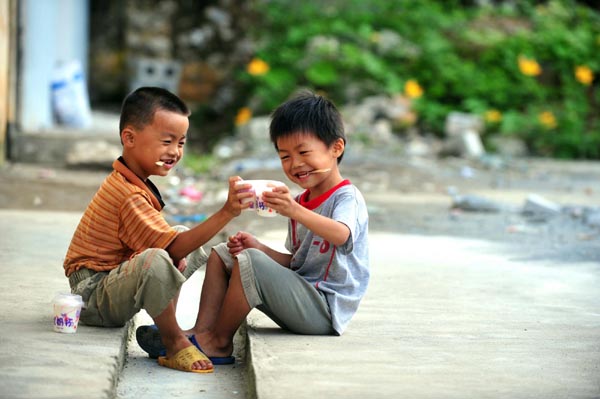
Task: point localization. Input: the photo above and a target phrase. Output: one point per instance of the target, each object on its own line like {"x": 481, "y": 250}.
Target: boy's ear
{"x": 127, "y": 136}
{"x": 338, "y": 147}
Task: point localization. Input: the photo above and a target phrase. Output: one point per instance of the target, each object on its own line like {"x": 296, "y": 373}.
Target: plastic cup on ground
{"x": 67, "y": 309}
{"x": 257, "y": 203}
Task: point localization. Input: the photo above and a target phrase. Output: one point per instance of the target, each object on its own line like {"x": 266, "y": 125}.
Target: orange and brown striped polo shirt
{"x": 122, "y": 219}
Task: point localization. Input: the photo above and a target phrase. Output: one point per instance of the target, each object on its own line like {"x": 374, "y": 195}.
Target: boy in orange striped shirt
{"x": 123, "y": 255}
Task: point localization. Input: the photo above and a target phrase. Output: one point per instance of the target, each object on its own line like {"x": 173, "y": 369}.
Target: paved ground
{"x": 37, "y": 362}
{"x": 228, "y": 381}
{"x": 448, "y": 318}
{"x": 461, "y": 304}
{"x": 468, "y": 319}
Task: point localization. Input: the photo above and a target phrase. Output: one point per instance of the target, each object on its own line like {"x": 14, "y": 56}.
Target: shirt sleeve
{"x": 142, "y": 226}
{"x": 345, "y": 211}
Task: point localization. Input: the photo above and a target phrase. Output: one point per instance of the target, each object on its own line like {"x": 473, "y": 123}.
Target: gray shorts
{"x": 280, "y": 293}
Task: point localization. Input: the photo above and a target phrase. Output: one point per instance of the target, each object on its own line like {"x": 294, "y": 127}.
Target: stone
{"x": 471, "y": 144}
{"x": 592, "y": 218}
{"x": 466, "y": 144}
{"x": 458, "y": 122}
{"x": 540, "y": 208}
{"x": 509, "y": 146}
{"x": 474, "y": 203}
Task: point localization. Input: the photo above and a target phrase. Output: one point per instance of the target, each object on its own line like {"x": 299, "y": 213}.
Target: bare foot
{"x": 211, "y": 346}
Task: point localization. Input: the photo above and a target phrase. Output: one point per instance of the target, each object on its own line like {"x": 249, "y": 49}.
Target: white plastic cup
{"x": 252, "y": 199}
{"x": 67, "y": 309}
{"x": 256, "y": 202}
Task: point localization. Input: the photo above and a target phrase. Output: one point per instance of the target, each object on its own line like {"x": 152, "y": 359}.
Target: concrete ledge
{"x": 467, "y": 319}
{"x": 35, "y": 361}
{"x": 57, "y": 150}
{"x": 39, "y": 363}
{"x": 67, "y": 147}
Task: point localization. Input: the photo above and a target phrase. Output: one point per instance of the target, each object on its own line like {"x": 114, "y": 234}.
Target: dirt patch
{"x": 404, "y": 196}
{"x": 30, "y": 187}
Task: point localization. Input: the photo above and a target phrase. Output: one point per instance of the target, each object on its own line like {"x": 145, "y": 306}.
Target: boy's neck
{"x": 121, "y": 166}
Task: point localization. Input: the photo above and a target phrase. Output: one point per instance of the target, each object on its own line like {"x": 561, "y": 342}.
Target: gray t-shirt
{"x": 341, "y": 273}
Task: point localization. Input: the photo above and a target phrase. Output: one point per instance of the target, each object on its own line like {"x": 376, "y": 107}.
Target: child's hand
{"x": 280, "y": 199}
{"x": 182, "y": 265}
{"x": 241, "y": 241}
{"x": 234, "y": 203}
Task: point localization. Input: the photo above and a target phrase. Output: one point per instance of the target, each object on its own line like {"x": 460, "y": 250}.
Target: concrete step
{"x": 96, "y": 146}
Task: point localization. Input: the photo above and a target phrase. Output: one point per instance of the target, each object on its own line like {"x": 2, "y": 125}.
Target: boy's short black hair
{"x": 139, "y": 107}
{"x": 310, "y": 113}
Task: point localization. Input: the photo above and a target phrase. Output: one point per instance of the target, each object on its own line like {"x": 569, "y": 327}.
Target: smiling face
{"x": 309, "y": 162}
{"x": 160, "y": 141}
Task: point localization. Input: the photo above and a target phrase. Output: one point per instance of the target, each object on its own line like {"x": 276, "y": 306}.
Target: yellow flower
{"x": 412, "y": 89}
{"x": 529, "y": 67}
{"x": 584, "y": 75}
{"x": 493, "y": 116}
{"x": 243, "y": 116}
{"x": 257, "y": 67}
{"x": 547, "y": 119}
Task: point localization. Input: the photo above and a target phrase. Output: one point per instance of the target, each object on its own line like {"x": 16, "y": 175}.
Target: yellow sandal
{"x": 184, "y": 359}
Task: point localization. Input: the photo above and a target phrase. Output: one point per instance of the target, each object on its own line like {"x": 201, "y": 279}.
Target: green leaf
{"x": 322, "y": 74}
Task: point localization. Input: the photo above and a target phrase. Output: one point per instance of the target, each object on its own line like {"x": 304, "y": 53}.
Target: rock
{"x": 474, "y": 203}
{"x": 458, "y": 123}
{"x": 255, "y": 135}
{"x": 540, "y": 208}
{"x": 592, "y": 218}
{"x": 465, "y": 144}
{"x": 509, "y": 146}
{"x": 382, "y": 131}
{"x": 417, "y": 147}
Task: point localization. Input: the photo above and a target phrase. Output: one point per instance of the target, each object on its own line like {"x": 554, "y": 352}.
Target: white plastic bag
{"x": 70, "y": 101}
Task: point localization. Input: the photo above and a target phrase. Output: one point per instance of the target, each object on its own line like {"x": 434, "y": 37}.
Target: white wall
{"x": 51, "y": 31}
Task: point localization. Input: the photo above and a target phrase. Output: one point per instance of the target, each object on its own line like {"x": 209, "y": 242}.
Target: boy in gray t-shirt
{"x": 316, "y": 287}
{"x": 340, "y": 272}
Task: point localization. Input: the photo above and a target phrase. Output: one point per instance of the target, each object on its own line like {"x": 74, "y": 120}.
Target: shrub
{"x": 529, "y": 69}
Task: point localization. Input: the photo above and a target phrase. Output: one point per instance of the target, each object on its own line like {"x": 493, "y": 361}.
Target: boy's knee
{"x": 154, "y": 257}
{"x": 156, "y": 264}
{"x": 215, "y": 261}
{"x": 214, "y": 257}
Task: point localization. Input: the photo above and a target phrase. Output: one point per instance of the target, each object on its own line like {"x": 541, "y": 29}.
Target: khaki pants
{"x": 147, "y": 281}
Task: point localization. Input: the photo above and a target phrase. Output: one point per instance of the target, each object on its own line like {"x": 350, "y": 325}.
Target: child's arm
{"x": 333, "y": 231}
{"x": 187, "y": 241}
{"x": 243, "y": 240}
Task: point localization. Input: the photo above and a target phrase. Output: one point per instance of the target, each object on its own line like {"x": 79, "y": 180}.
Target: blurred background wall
{"x": 523, "y": 69}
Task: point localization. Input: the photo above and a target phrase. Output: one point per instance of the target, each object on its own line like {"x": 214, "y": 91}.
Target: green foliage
{"x": 199, "y": 163}
{"x": 465, "y": 58}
